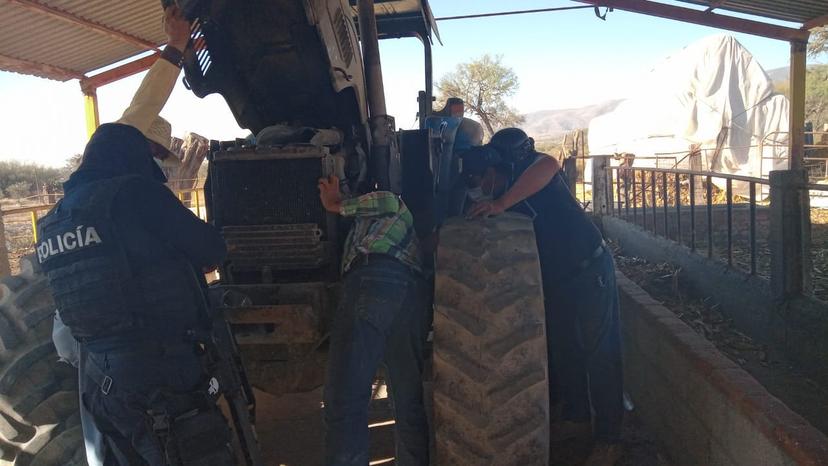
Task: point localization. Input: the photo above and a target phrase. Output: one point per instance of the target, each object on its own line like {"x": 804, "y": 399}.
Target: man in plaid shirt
{"x": 382, "y": 319}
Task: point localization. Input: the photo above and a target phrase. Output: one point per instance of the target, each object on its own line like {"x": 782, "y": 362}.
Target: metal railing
{"x": 661, "y": 200}
{"x": 191, "y": 198}
{"x": 33, "y": 212}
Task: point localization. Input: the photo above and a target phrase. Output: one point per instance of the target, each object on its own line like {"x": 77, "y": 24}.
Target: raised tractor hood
{"x": 294, "y": 62}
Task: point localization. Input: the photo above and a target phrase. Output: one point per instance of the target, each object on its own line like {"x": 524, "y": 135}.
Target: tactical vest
{"x": 95, "y": 287}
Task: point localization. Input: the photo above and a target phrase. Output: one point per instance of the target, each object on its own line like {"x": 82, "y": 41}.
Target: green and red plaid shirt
{"x": 382, "y": 225}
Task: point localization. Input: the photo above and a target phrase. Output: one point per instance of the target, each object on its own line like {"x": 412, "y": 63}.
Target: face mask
{"x": 477, "y": 195}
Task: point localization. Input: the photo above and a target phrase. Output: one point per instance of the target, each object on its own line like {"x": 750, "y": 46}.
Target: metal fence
{"x": 682, "y": 205}
{"x": 818, "y": 198}
{"x": 19, "y": 230}
{"x": 747, "y": 223}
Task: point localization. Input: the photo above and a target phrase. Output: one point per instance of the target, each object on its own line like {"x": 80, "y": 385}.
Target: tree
{"x": 72, "y": 164}
{"x": 36, "y": 177}
{"x": 819, "y": 41}
{"x": 816, "y": 94}
{"x": 484, "y": 84}
{"x": 19, "y": 190}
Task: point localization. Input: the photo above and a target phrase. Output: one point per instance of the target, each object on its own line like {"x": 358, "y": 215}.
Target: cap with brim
{"x": 160, "y": 132}
{"x": 478, "y": 159}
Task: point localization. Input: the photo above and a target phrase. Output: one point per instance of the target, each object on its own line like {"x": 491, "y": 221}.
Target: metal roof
{"x": 403, "y": 18}
{"x": 794, "y": 11}
{"x": 65, "y": 39}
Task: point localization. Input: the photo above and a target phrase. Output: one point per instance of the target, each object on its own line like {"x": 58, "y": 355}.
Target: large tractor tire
{"x": 39, "y": 418}
{"x": 490, "y": 374}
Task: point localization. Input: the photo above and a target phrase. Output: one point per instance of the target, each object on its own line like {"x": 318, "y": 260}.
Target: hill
{"x": 553, "y": 124}
{"x": 778, "y": 75}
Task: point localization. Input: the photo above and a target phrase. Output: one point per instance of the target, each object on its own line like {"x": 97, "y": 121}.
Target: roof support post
{"x": 90, "y": 84}
{"x": 90, "y": 104}
{"x": 796, "y": 149}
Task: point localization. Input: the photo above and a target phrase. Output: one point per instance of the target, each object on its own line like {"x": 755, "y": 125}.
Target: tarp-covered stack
{"x": 712, "y": 104}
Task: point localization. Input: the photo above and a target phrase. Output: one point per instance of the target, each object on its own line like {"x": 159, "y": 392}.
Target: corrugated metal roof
{"x": 795, "y": 11}
{"x": 31, "y": 37}
{"x": 36, "y": 42}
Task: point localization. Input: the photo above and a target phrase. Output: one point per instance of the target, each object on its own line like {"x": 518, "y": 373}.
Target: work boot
{"x": 568, "y": 430}
{"x": 604, "y": 454}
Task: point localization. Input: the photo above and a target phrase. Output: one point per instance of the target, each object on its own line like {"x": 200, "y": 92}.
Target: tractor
{"x": 305, "y": 77}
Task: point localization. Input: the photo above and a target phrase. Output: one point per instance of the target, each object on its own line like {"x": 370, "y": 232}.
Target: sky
{"x": 562, "y": 59}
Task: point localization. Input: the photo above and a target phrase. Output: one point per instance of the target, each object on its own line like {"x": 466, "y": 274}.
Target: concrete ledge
{"x": 799, "y": 328}
{"x": 745, "y": 298}
{"x": 699, "y": 404}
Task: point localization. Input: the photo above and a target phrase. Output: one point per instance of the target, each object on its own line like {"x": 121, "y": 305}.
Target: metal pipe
{"x": 34, "y": 226}
{"x": 692, "y": 212}
{"x": 655, "y": 204}
{"x": 753, "y": 228}
{"x": 429, "y": 76}
{"x": 709, "y": 216}
{"x": 371, "y": 57}
{"x": 664, "y": 203}
{"x": 729, "y": 191}
{"x": 678, "y": 208}
{"x": 382, "y": 125}
{"x": 644, "y": 199}
{"x": 90, "y": 104}
{"x": 626, "y": 194}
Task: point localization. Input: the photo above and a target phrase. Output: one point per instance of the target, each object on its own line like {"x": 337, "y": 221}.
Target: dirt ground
{"x": 665, "y": 283}
{"x": 291, "y": 432}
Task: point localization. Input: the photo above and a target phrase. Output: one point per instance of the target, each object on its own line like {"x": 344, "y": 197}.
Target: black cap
{"x": 479, "y": 158}
{"x": 513, "y": 144}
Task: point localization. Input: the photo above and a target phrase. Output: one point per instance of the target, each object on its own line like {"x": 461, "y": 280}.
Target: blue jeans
{"x": 382, "y": 319}
{"x": 584, "y": 342}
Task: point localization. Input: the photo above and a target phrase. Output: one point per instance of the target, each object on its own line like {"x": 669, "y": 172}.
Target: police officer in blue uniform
{"x": 578, "y": 273}
{"x": 123, "y": 256}
{"x": 124, "y": 259}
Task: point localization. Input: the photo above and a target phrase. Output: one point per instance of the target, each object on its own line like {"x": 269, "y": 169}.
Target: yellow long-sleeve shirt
{"x": 151, "y": 95}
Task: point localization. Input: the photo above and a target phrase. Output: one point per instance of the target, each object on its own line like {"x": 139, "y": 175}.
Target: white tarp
{"x": 713, "y": 97}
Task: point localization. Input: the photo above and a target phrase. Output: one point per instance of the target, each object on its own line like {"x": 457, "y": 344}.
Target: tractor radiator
{"x": 266, "y": 202}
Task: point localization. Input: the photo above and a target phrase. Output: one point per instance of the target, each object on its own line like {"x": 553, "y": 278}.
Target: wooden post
{"x": 696, "y": 166}
{"x": 796, "y": 147}
{"x": 5, "y": 266}
{"x": 601, "y": 185}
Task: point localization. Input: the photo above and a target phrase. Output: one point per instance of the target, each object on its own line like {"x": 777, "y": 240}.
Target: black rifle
{"x": 224, "y": 365}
